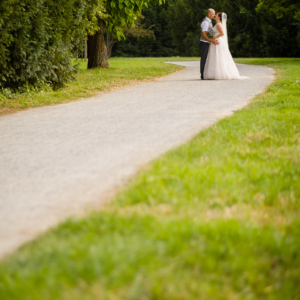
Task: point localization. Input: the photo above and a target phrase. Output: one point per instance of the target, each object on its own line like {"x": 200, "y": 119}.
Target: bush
{"x": 38, "y": 39}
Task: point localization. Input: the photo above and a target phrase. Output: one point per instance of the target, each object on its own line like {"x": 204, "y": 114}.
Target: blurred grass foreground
{"x": 217, "y": 218}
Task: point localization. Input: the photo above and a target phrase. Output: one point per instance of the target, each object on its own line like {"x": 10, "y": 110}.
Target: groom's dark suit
{"x": 206, "y": 25}
{"x": 204, "y": 47}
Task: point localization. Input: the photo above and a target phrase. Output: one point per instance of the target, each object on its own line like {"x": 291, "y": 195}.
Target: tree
{"x": 115, "y": 14}
{"x": 185, "y": 19}
{"x": 157, "y": 20}
{"x": 138, "y": 31}
{"x": 251, "y": 32}
{"x": 281, "y": 8}
{"x": 38, "y": 39}
{"x": 97, "y": 52}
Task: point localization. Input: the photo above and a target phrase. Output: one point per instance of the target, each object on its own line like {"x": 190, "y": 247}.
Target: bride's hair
{"x": 220, "y": 15}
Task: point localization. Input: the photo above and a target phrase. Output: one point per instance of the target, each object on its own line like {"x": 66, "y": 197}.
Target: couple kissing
{"x": 216, "y": 60}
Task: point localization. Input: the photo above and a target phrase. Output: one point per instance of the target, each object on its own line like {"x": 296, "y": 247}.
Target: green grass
{"x": 217, "y": 218}
{"x": 123, "y": 71}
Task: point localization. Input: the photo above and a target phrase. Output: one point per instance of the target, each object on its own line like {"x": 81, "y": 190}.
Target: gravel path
{"x": 59, "y": 161}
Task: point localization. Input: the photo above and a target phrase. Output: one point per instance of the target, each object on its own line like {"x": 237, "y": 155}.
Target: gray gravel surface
{"x": 63, "y": 160}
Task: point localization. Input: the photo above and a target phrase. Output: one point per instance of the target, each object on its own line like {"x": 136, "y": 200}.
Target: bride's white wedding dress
{"x": 219, "y": 64}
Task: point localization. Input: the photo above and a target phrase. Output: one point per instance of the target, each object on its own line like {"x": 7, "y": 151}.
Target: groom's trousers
{"x": 204, "y": 47}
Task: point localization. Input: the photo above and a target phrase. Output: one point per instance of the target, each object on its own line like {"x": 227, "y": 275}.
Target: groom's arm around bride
{"x": 205, "y": 41}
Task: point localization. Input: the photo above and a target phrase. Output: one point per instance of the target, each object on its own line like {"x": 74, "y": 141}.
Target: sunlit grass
{"x": 123, "y": 71}
{"x": 217, "y": 218}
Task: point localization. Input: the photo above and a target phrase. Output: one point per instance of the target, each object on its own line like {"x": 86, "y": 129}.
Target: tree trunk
{"x": 97, "y": 54}
{"x": 110, "y": 41}
{"x": 109, "y": 48}
{"x": 85, "y": 50}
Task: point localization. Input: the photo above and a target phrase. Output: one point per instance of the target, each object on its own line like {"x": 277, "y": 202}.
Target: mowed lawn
{"x": 123, "y": 71}
{"x": 217, "y": 218}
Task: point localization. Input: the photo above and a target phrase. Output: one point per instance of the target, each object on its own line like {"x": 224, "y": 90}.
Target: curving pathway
{"x": 58, "y": 161}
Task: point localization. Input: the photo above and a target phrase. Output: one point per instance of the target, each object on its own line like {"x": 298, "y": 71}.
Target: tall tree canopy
{"x": 157, "y": 19}
{"x": 117, "y": 14}
{"x": 281, "y": 8}
{"x": 254, "y": 29}
{"x": 40, "y": 37}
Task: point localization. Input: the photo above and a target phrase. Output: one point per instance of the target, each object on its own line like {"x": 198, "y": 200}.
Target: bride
{"x": 220, "y": 64}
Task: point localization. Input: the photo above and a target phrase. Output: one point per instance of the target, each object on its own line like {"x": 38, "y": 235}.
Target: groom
{"x": 206, "y": 25}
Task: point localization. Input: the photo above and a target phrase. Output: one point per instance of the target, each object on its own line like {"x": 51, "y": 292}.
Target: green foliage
{"x": 37, "y": 41}
{"x": 120, "y": 13}
{"x": 185, "y": 18}
{"x": 157, "y": 19}
{"x": 217, "y": 218}
{"x": 281, "y": 8}
{"x": 252, "y": 32}
{"x": 39, "y": 38}
{"x": 139, "y": 30}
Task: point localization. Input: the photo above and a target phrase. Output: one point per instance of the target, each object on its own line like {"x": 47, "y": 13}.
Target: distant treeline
{"x": 176, "y": 26}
